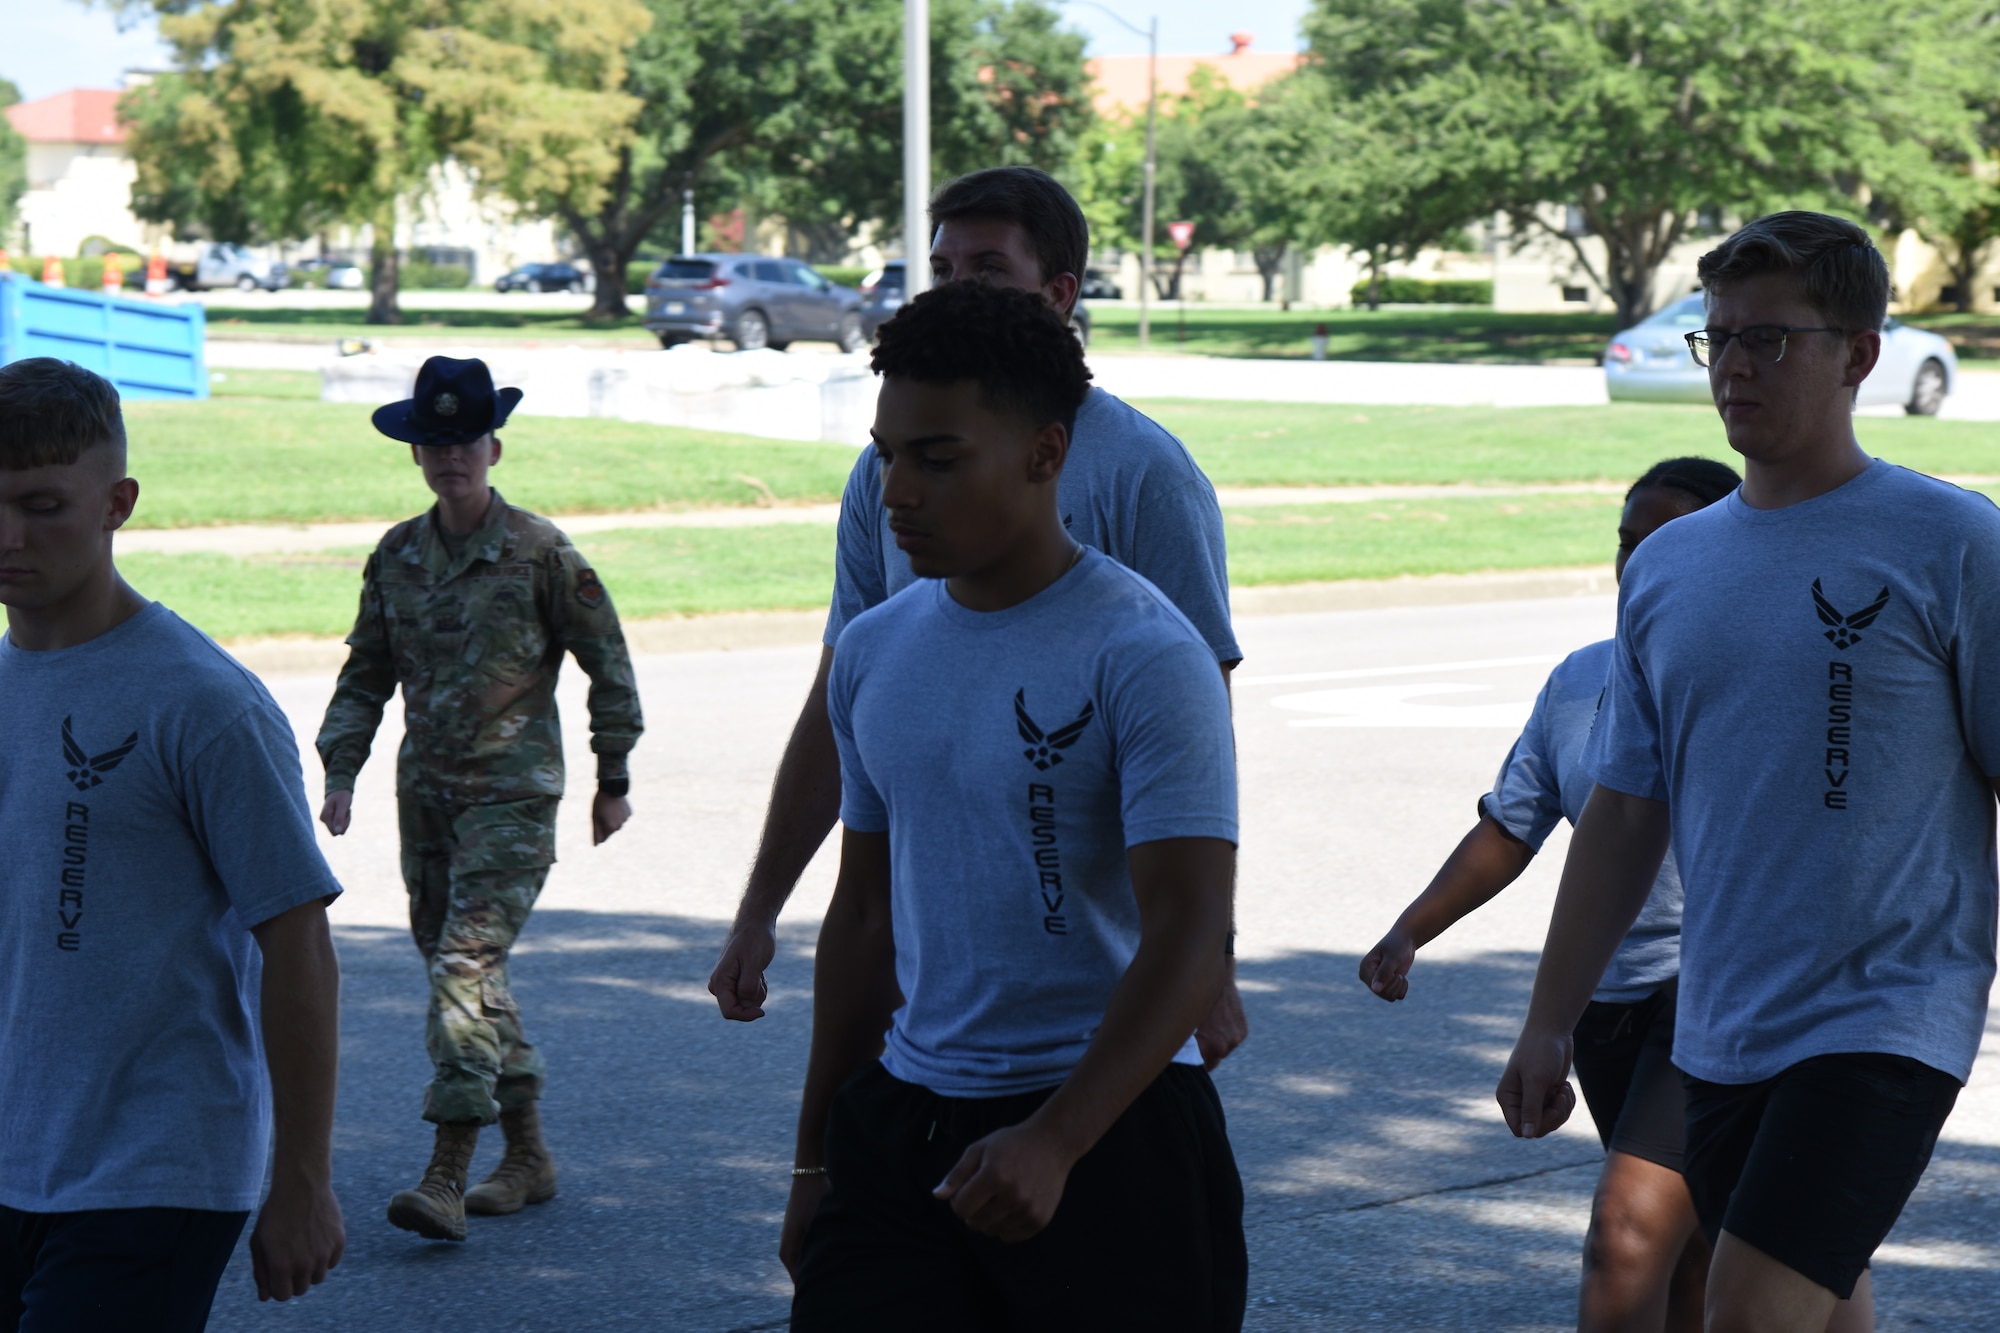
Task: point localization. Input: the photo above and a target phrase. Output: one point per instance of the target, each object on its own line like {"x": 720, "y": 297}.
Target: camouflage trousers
{"x": 473, "y": 875}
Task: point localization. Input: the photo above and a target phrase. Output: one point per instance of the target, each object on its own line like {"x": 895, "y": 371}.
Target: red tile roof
{"x": 1121, "y": 80}
{"x": 81, "y": 115}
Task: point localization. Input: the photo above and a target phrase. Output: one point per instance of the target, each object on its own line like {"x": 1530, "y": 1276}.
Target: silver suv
{"x": 752, "y": 300}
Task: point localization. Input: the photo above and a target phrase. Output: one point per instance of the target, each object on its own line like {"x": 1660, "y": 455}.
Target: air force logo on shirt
{"x": 1843, "y": 631}
{"x": 88, "y": 771}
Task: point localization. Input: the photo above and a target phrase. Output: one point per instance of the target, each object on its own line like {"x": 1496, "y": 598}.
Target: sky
{"x": 55, "y": 45}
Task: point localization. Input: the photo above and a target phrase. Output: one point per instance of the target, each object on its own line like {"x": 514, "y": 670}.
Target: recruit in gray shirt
{"x": 153, "y": 810}
{"x": 1013, "y": 757}
{"x": 1815, "y": 693}
{"x": 1543, "y": 780}
{"x": 1128, "y": 488}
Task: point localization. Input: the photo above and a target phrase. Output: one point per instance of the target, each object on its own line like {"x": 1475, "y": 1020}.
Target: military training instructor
{"x": 470, "y": 607}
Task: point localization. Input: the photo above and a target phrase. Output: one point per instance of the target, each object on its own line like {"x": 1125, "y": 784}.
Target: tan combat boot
{"x": 435, "y": 1209}
{"x": 525, "y": 1175}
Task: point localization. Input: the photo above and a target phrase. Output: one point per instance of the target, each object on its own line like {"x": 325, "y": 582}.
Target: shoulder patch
{"x": 588, "y": 590}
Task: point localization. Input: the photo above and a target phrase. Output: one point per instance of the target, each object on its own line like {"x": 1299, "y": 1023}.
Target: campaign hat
{"x": 454, "y": 403}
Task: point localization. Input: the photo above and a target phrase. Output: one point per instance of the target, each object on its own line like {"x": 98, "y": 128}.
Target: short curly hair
{"x": 1023, "y": 356}
{"x": 1703, "y": 479}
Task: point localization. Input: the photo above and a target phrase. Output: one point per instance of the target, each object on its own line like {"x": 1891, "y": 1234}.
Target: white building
{"x": 80, "y": 185}
{"x": 79, "y": 179}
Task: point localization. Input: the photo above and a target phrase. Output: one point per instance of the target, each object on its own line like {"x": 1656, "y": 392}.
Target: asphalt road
{"x": 1383, "y": 1190}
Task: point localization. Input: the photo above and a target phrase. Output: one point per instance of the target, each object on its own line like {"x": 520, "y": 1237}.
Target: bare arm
{"x": 1009, "y": 1183}
{"x": 854, "y": 994}
{"x": 299, "y": 1233}
{"x": 1226, "y": 1027}
{"x": 1613, "y": 860}
{"x": 805, "y": 804}
{"x": 1486, "y": 860}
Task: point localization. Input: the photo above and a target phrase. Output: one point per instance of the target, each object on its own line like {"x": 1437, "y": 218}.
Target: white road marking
{"x": 1366, "y": 673}
{"x": 1393, "y": 706}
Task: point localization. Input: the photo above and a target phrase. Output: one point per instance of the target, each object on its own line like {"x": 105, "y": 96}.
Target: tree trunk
{"x": 607, "y": 260}
{"x": 1270, "y": 267}
{"x": 1375, "y": 278}
{"x": 383, "y": 272}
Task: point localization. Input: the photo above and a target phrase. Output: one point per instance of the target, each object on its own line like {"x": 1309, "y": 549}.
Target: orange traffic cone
{"x": 156, "y": 274}
{"x": 114, "y": 274}
{"x": 52, "y": 271}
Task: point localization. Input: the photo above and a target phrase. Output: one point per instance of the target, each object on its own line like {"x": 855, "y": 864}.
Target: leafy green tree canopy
{"x": 13, "y": 166}
{"x": 1644, "y": 113}
{"x": 287, "y": 116}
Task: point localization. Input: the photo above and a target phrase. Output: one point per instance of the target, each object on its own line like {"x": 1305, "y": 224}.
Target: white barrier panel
{"x": 762, "y": 393}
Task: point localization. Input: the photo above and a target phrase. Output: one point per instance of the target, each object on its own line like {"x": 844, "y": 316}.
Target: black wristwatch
{"x": 614, "y": 786}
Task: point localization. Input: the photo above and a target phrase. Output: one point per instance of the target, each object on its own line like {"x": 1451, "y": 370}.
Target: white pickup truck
{"x": 226, "y": 265}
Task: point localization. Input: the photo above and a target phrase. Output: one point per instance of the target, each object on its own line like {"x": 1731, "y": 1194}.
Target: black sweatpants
{"x": 113, "y": 1270}
{"x": 1149, "y": 1234}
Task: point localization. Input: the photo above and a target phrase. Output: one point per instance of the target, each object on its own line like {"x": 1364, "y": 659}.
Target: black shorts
{"x": 113, "y": 1270}
{"x": 1149, "y": 1234}
{"x": 1624, "y": 1063}
{"x": 1814, "y": 1165}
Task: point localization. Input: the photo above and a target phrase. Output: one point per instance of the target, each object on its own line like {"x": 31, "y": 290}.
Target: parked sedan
{"x": 754, "y": 301}
{"x": 1650, "y": 363}
{"x": 341, "y": 274}
{"x": 542, "y": 278}
{"x": 883, "y": 293}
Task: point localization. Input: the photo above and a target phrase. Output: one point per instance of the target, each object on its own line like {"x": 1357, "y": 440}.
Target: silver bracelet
{"x": 798, "y": 1171}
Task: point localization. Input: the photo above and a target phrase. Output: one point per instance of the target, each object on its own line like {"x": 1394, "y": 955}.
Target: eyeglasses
{"x": 1764, "y": 342}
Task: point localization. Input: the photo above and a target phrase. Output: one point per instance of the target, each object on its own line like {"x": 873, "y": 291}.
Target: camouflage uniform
{"x": 476, "y": 640}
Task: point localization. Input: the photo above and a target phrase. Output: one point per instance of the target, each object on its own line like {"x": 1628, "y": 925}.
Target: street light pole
{"x": 916, "y": 147}
{"x": 1151, "y": 33}
{"x": 687, "y": 220}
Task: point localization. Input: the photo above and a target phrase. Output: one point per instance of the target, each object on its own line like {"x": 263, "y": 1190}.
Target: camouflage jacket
{"x": 476, "y": 641}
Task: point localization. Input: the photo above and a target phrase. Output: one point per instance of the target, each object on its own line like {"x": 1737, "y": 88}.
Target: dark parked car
{"x": 752, "y": 300}
{"x": 1098, "y": 286}
{"x": 543, "y": 278}
{"x": 882, "y": 291}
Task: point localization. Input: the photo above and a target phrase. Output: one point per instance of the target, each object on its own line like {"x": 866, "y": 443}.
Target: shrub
{"x": 417, "y": 276}
{"x": 84, "y": 273}
{"x": 1422, "y": 291}
{"x": 845, "y": 275}
{"x": 637, "y": 272}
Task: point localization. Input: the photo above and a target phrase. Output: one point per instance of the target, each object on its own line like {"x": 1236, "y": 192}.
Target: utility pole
{"x": 687, "y": 220}
{"x": 916, "y": 147}
{"x": 1151, "y": 32}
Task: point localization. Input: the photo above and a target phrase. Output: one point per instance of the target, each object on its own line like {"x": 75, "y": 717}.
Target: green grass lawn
{"x": 243, "y": 459}
{"x": 651, "y": 572}
{"x": 1310, "y": 444}
{"x": 255, "y": 454}
{"x": 1462, "y": 333}
{"x": 692, "y": 571}
{"x": 279, "y": 321}
{"x": 1455, "y": 334}
{"x": 261, "y": 460}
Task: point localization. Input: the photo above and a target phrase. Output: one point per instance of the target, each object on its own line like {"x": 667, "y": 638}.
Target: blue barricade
{"x": 148, "y": 349}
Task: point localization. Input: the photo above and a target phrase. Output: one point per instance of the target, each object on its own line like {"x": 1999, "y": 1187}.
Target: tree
{"x": 1008, "y": 86}
{"x": 289, "y": 116}
{"x": 794, "y": 108}
{"x": 1644, "y": 113}
{"x": 13, "y": 165}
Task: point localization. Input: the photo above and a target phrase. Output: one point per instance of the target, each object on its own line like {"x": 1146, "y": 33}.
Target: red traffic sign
{"x": 1183, "y": 234}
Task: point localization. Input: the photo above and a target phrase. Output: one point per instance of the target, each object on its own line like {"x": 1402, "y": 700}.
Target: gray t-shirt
{"x": 1543, "y": 780}
{"x": 1815, "y": 692}
{"x": 1012, "y": 757}
{"x": 153, "y": 810}
{"x": 1129, "y": 489}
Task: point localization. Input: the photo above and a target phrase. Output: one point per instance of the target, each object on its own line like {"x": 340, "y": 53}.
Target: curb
{"x": 744, "y": 631}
